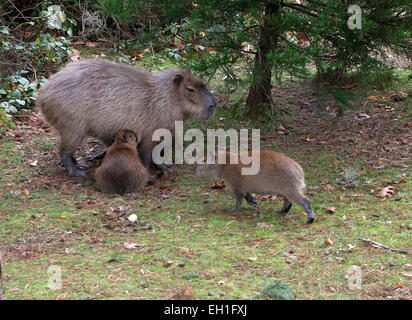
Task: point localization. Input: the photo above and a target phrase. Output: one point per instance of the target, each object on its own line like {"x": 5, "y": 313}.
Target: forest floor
{"x": 188, "y": 244}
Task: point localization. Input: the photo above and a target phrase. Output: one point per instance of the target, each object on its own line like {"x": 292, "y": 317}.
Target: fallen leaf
{"x": 264, "y": 225}
{"x": 75, "y": 56}
{"x": 26, "y": 192}
{"x": 379, "y": 96}
{"x": 252, "y": 258}
{"x": 328, "y": 187}
{"x": 34, "y": 163}
{"x": 399, "y": 285}
{"x": 137, "y": 55}
{"x": 62, "y": 217}
{"x": 349, "y": 85}
{"x": 386, "y": 191}
{"x": 91, "y": 44}
{"x": 132, "y": 245}
{"x": 266, "y": 198}
{"x": 329, "y": 242}
{"x": 168, "y": 263}
{"x": 217, "y": 186}
{"x": 330, "y": 209}
{"x": 185, "y": 293}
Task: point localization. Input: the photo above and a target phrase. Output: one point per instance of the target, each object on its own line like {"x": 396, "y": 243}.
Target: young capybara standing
{"x": 278, "y": 174}
{"x": 121, "y": 170}
{"x": 97, "y": 98}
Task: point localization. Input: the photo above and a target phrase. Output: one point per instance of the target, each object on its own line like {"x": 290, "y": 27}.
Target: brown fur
{"x": 278, "y": 174}
{"x": 97, "y": 98}
{"x": 121, "y": 170}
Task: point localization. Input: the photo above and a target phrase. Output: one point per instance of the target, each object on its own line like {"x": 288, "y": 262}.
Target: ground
{"x": 188, "y": 244}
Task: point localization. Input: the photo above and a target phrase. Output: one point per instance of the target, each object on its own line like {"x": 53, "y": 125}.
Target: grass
{"x": 195, "y": 241}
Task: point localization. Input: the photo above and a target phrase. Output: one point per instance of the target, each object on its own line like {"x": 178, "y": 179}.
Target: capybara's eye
{"x": 190, "y": 89}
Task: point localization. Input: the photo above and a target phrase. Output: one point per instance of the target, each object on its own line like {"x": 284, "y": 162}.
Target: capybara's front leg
{"x": 70, "y": 164}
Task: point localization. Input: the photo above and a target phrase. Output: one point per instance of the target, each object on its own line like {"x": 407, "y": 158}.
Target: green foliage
{"x": 5, "y": 121}
{"x": 30, "y": 62}
{"x": 17, "y": 92}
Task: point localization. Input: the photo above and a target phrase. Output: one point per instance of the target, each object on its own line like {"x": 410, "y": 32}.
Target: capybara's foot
{"x": 78, "y": 173}
{"x": 310, "y": 220}
{"x": 251, "y": 200}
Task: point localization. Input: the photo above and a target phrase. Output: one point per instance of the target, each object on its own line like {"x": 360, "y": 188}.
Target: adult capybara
{"x": 97, "y": 98}
{"x": 121, "y": 170}
{"x": 278, "y": 174}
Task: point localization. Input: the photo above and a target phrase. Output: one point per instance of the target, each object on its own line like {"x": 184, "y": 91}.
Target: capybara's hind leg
{"x": 239, "y": 198}
{"x": 251, "y": 200}
{"x": 309, "y": 211}
{"x": 300, "y": 199}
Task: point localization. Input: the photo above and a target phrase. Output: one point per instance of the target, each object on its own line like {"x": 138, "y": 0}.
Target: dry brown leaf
{"x": 264, "y": 225}
{"x": 217, "y": 186}
{"x": 399, "y": 285}
{"x": 330, "y": 209}
{"x": 349, "y": 85}
{"x": 386, "y": 191}
{"x": 26, "y": 191}
{"x": 137, "y": 55}
{"x": 75, "y": 56}
{"x": 34, "y": 163}
{"x": 91, "y": 44}
{"x": 266, "y": 198}
{"x": 329, "y": 242}
{"x": 328, "y": 187}
{"x": 252, "y": 258}
{"x": 132, "y": 245}
{"x": 185, "y": 293}
{"x": 379, "y": 96}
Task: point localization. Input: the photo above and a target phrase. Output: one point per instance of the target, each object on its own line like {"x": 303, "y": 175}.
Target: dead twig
{"x": 379, "y": 245}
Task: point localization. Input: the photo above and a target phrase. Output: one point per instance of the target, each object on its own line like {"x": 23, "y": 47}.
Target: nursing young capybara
{"x": 121, "y": 170}
{"x": 97, "y": 98}
{"x": 278, "y": 174}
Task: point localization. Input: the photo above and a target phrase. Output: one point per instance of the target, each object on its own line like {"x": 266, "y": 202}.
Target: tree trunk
{"x": 260, "y": 93}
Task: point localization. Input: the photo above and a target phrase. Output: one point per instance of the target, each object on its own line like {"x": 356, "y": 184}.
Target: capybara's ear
{"x": 178, "y": 79}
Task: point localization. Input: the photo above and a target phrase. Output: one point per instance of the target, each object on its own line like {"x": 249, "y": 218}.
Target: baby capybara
{"x": 278, "y": 174}
{"x": 97, "y": 98}
{"x": 121, "y": 170}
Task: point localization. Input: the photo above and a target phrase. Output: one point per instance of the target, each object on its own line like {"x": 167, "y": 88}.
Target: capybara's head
{"x": 126, "y": 136}
{"x": 207, "y": 166}
{"x": 196, "y": 98}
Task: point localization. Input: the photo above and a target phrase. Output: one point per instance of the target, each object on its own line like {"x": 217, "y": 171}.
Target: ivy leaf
{"x": 23, "y": 81}
{"x": 4, "y": 30}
